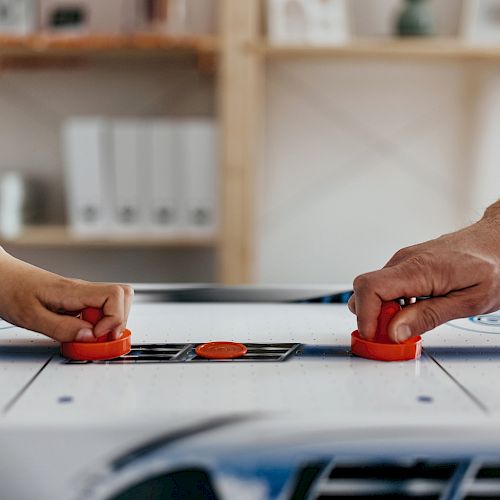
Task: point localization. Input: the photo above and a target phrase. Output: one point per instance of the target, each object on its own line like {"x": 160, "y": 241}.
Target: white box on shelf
{"x": 130, "y": 157}
{"x": 313, "y": 22}
{"x": 185, "y": 17}
{"x": 199, "y": 176}
{"x": 164, "y": 176}
{"x": 18, "y": 17}
{"x": 87, "y": 175}
{"x": 328, "y": 22}
{"x": 93, "y": 16}
{"x": 287, "y": 21}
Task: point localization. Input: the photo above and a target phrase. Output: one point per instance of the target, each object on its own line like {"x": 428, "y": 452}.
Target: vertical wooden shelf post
{"x": 240, "y": 77}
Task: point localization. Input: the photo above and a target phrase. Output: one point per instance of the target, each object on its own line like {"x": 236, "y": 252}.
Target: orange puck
{"x": 411, "y": 349}
{"x": 93, "y": 351}
{"x": 221, "y": 350}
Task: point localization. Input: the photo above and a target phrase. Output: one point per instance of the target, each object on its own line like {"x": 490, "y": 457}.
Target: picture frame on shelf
{"x": 481, "y": 21}
{"x": 308, "y": 22}
{"x": 92, "y": 16}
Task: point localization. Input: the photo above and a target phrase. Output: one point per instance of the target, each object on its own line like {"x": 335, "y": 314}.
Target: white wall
{"x": 362, "y": 157}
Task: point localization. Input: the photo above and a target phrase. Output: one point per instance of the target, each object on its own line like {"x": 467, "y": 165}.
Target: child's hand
{"x": 47, "y": 303}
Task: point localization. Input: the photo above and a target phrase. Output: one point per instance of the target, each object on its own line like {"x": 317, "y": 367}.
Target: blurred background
{"x": 276, "y": 141}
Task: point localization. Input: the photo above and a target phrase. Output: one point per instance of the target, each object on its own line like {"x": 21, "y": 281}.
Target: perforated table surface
{"x": 299, "y": 404}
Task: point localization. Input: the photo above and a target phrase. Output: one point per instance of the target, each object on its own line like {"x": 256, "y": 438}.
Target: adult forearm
{"x": 461, "y": 271}
{"x": 490, "y": 230}
{"x": 493, "y": 213}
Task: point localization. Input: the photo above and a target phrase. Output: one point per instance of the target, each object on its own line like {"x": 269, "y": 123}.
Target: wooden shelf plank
{"x": 61, "y": 237}
{"x": 430, "y": 48}
{"x": 53, "y": 45}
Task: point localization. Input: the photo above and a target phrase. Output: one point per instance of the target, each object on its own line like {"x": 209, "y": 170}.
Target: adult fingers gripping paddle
{"x": 382, "y": 348}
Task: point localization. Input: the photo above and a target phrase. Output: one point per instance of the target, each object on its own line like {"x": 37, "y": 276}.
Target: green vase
{"x": 416, "y": 19}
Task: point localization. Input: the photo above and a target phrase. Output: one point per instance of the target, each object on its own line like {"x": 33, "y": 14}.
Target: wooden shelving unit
{"x": 433, "y": 48}
{"x": 48, "y": 236}
{"x": 46, "y": 51}
{"x": 95, "y": 45}
{"x": 239, "y": 83}
{"x": 239, "y": 55}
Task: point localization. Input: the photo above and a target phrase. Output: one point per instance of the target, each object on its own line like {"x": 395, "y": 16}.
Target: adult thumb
{"x": 424, "y": 316}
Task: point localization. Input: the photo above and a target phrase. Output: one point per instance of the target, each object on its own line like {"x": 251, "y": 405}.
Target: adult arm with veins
{"x": 460, "y": 272}
{"x": 45, "y": 302}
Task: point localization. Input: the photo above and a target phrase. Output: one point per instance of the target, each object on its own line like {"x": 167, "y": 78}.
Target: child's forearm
{"x": 32, "y": 298}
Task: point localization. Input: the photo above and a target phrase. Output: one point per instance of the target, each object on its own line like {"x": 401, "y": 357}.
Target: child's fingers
{"x": 114, "y": 314}
{"x": 114, "y": 300}
{"x": 128, "y": 295}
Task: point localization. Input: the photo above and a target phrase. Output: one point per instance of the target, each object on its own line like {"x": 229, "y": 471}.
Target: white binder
{"x": 130, "y": 167}
{"x": 18, "y": 17}
{"x": 87, "y": 163}
{"x": 164, "y": 177}
{"x": 199, "y": 182}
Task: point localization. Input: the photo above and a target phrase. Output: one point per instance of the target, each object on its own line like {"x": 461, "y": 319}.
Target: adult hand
{"x": 47, "y": 303}
{"x": 459, "y": 271}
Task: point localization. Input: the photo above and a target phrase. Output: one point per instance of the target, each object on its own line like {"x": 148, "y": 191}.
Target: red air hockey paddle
{"x": 93, "y": 315}
{"x": 382, "y": 348}
{"x": 102, "y": 348}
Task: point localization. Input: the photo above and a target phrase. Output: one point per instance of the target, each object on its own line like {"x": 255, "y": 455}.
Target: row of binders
{"x": 141, "y": 177}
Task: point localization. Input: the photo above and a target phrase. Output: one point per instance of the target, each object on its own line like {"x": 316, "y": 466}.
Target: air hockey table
{"x": 298, "y": 417}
